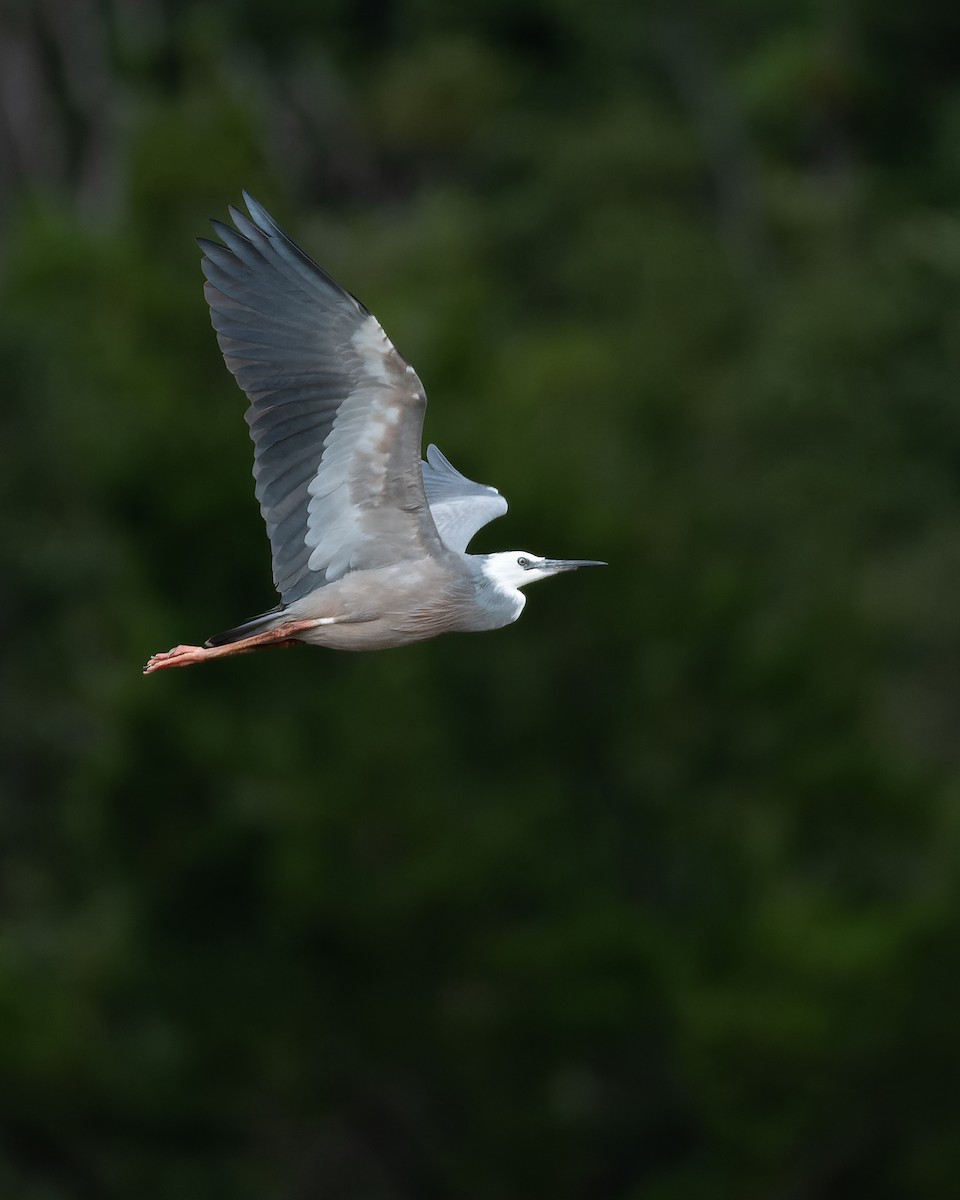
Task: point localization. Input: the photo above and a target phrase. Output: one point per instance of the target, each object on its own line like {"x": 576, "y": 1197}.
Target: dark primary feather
{"x": 335, "y": 414}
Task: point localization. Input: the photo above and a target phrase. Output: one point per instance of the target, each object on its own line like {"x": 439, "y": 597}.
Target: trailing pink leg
{"x": 188, "y": 656}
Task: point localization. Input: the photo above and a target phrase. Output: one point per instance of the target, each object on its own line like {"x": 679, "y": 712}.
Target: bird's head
{"x": 514, "y": 569}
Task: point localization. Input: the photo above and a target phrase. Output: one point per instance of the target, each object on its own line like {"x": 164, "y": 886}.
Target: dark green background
{"x": 651, "y": 896}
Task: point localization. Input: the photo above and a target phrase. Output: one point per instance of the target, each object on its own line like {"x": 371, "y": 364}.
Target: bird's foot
{"x": 187, "y": 656}
{"x": 179, "y": 656}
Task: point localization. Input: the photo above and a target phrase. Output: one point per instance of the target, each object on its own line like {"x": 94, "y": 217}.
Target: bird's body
{"x": 383, "y": 607}
{"x": 368, "y": 542}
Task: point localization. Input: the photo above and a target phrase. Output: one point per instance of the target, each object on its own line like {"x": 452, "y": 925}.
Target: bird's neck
{"x": 498, "y": 594}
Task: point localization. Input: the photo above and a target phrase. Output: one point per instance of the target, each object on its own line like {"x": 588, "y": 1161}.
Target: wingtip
{"x": 258, "y": 214}
{"x": 436, "y": 458}
{"x": 208, "y": 246}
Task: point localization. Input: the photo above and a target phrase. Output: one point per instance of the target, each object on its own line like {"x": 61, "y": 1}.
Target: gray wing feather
{"x": 335, "y": 413}
{"x": 459, "y": 506}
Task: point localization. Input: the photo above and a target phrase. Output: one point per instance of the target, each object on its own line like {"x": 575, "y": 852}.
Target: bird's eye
{"x": 523, "y": 562}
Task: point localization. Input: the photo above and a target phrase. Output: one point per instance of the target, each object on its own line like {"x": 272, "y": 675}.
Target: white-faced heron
{"x": 368, "y": 542}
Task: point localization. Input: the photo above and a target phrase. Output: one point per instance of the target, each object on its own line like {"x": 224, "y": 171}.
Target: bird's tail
{"x": 255, "y": 625}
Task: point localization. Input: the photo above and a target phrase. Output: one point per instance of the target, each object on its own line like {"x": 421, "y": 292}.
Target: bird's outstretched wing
{"x": 458, "y": 505}
{"x": 335, "y": 414}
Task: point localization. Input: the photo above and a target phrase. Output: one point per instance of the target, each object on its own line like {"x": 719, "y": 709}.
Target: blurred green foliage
{"x": 653, "y": 894}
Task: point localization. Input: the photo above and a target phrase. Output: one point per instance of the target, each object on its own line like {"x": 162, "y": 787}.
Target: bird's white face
{"x": 514, "y": 569}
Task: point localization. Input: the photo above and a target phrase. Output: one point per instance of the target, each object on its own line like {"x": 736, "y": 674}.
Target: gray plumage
{"x": 326, "y": 390}
{"x": 368, "y": 542}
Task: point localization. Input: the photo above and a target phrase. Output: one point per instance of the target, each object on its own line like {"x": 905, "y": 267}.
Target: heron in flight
{"x": 368, "y": 541}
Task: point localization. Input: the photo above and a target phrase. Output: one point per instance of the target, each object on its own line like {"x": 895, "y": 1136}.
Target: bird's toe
{"x": 177, "y": 657}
